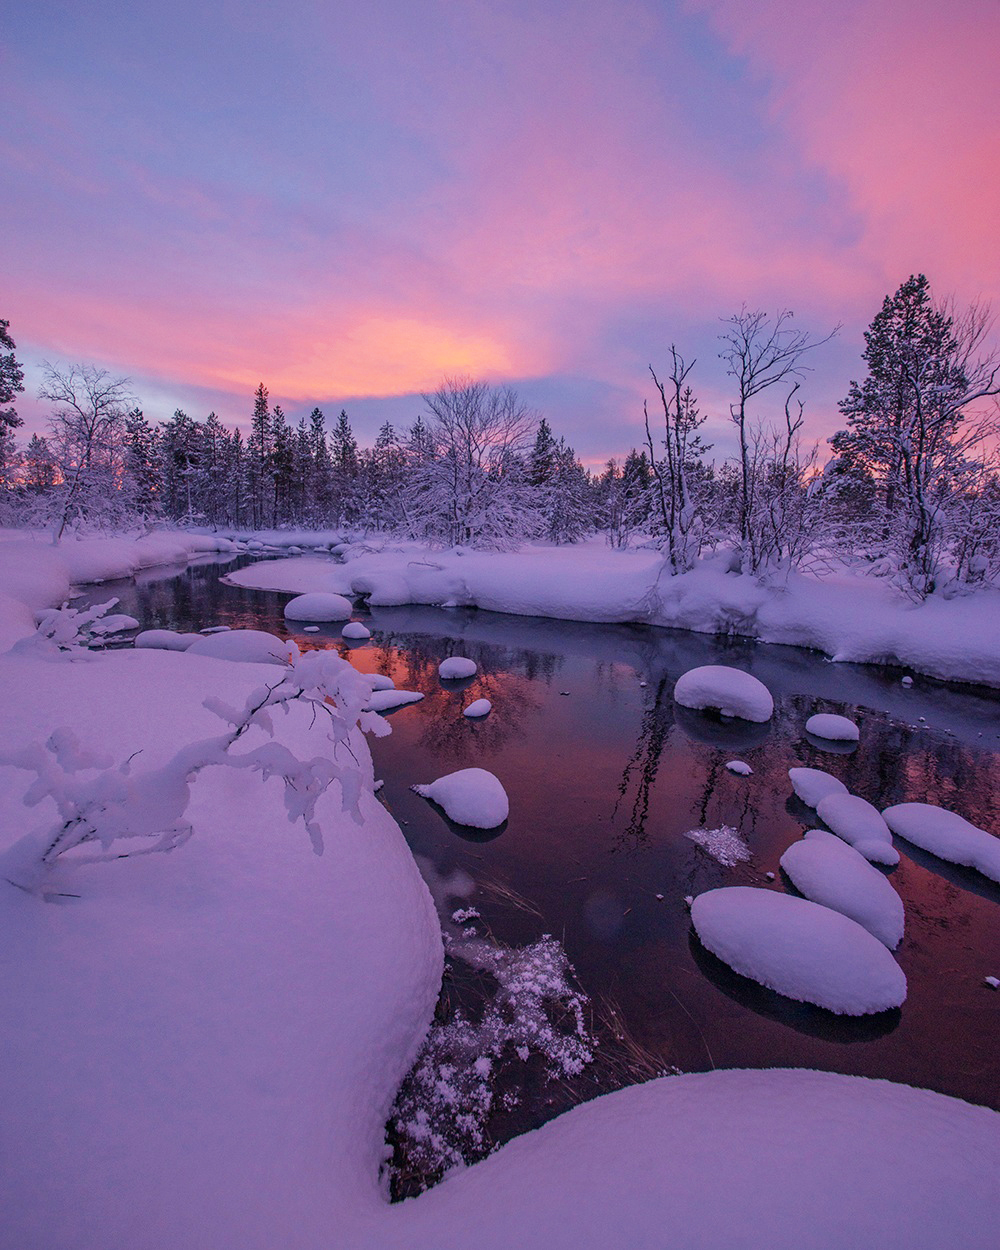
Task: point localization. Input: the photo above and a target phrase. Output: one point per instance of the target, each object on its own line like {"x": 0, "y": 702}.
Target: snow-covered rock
{"x": 252, "y": 646}
{"x": 802, "y": 950}
{"x": 859, "y": 824}
{"x": 740, "y": 768}
{"x": 456, "y": 667}
{"x": 480, "y": 707}
{"x": 471, "y": 796}
{"x": 946, "y": 835}
{"x": 729, "y": 690}
{"x": 389, "y": 699}
{"x": 812, "y": 785}
{"x": 355, "y": 631}
{"x": 165, "y": 640}
{"x": 319, "y": 605}
{"x": 379, "y": 681}
{"x": 833, "y": 728}
{"x": 828, "y": 871}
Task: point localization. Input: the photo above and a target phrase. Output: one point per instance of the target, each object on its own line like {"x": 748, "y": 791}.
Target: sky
{"x": 350, "y": 202}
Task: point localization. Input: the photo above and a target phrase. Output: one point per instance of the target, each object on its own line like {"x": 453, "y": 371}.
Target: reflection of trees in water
{"x": 643, "y": 765}
{"x": 446, "y": 731}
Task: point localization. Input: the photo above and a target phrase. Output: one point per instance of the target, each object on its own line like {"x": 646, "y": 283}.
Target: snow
{"x": 356, "y": 631}
{"x": 165, "y": 640}
{"x": 252, "y": 646}
{"x": 946, "y": 835}
{"x": 847, "y": 616}
{"x": 729, "y": 690}
{"x": 835, "y": 728}
{"x": 800, "y": 949}
{"x": 828, "y": 871}
{"x": 479, "y": 707}
{"x": 740, "y": 768}
{"x": 388, "y": 699}
{"x": 379, "y": 681}
{"x": 812, "y": 785}
{"x": 725, "y": 844}
{"x": 456, "y": 667}
{"x": 860, "y": 825}
{"x": 318, "y": 606}
{"x": 471, "y": 796}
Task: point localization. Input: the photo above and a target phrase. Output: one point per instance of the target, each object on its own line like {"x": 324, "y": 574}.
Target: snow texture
{"x": 828, "y": 871}
{"x": 247, "y": 646}
{"x": 728, "y": 690}
{"x": 389, "y": 699}
{"x": 471, "y": 796}
{"x": 834, "y": 728}
{"x": 860, "y": 825}
{"x": 165, "y": 640}
{"x": 456, "y": 667}
{"x": 800, "y": 949}
{"x": 318, "y": 606}
{"x": 812, "y": 785}
{"x": 479, "y": 707}
{"x": 356, "y": 631}
{"x": 946, "y": 835}
{"x": 724, "y": 844}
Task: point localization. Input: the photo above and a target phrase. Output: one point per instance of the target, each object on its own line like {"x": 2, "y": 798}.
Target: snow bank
{"x": 456, "y": 667}
{"x": 802, "y": 950}
{"x": 165, "y": 640}
{"x": 471, "y": 796}
{"x": 729, "y": 690}
{"x": 248, "y": 646}
{"x": 835, "y": 728}
{"x": 828, "y": 871}
{"x": 946, "y": 835}
{"x": 860, "y": 825}
{"x": 851, "y": 618}
{"x": 812, "y": 785}
{"x": 318, "y": 606}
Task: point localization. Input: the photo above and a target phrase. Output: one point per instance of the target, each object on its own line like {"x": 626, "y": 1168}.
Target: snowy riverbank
{"x": 849, "y": 618}
{"x": 201, "y": 1048}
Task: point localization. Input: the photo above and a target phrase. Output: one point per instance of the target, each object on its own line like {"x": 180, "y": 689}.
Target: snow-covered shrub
{"x": 75, "y": 630}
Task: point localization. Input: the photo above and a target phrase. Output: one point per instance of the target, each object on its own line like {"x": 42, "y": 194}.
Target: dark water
{"x": 605, "y": 775}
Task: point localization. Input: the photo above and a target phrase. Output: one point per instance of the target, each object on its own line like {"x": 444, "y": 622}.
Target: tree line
{"x": 911, "y": 489}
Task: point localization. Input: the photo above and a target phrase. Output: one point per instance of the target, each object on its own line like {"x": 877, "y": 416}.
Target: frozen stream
{"x": 605, "y": 776}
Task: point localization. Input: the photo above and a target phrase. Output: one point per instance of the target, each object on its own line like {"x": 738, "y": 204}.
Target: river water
{"x": 606, "y": 776}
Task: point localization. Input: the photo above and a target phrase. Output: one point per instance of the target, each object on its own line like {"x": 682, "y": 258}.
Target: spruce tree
{"x": 11, "y": 378}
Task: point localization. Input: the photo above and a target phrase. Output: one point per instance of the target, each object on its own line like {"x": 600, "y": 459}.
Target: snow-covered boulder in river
{"x": 833, "y": 728}
{"x": 828, "y": 871}
{"x": 164, "y": 640}
{"x": 946, "y": 835}
{"x": 246, "y": 646}
{"x": 481, "y": 707}
{"x": 802, "y": 950}
{"x": 356, "y": 632}
{"x": 727, "y": 690}
{"x": 457, "y": 667}
{"x": 860, "y": 825}
{"x": 390, "y": 699}
{"x": 472, "y": 796}
{"x": 319, "y": 605}
{"x": 812, "y": 785}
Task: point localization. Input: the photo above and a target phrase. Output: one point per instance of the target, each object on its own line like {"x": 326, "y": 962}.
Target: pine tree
{"x": 344, "y": 465}
{"x": 281, "y": 466}
{"x": 39, "y": 467}
{"x": 258, "y": 458}
{"x": 141, "y": 465}
{"x": 11, "y": 378}
{"x": 542, "y": 462}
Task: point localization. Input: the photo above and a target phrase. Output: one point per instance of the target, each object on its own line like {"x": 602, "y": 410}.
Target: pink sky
{"x": 349, "y": 203}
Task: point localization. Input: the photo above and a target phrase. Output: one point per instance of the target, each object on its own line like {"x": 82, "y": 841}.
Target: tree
{"x": 468, "y": 483}
{"x": 911, "y": 424}
{"x": 39, "y": 467}
{"x": 11, "y": 378}
{"x": 258, "y": 456}
{"x": 542, "y": 462}
{"x": 88, "y": 421}
{"x": 142, "y": 465}
{"x": 761, "y": 351}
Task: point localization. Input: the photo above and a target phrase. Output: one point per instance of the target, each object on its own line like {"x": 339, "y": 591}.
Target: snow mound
{"x": 472, "y": 796}
{"x": 320, "y": 605}
{"x": 740, "y": 768}
{"x": 946, "y": 835}
{"x": 812, "y": 785}
{"x": 833, "y": 728}
{"x": 252, "y": 646}
{"x": 481, "y": 707}
{"x": 379, "y": 681}
{"x": 802, "y": 950}
{"x": 457, "y": 666}
{"x": 860, "y": 825}
{"x": 390, "y": 698}
{"x": 828, "y": 871}
{"x": 730, "y": 690}
{"x": 724, "y": 844}
{"x": 355, "y": 630}
{"x": 165, "y": 640}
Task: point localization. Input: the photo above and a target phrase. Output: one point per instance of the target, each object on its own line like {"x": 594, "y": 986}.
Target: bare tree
{"x": 88, "y": 420}
{"x": 761, "y": 351}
